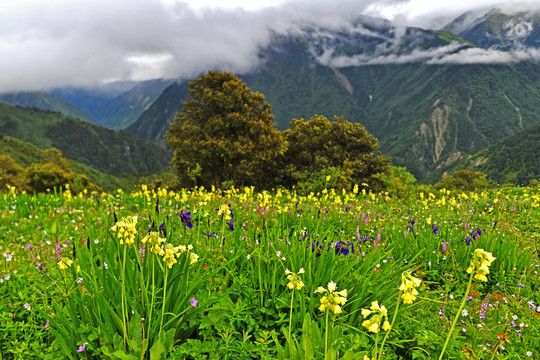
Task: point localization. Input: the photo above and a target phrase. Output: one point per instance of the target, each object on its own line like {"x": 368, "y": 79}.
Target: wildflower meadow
{"x": 239, "y": 274}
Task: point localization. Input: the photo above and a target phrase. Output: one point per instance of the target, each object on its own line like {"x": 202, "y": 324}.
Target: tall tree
{"x": 316, "y": 145}
{"x": 225, "y": 134}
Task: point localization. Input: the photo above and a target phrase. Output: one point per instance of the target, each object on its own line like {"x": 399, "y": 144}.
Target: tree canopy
{"x": 224, "y": 134}
{"x": 319, "y": 144}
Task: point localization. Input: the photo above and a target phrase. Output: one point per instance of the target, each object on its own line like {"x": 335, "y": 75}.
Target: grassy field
{"x": 243, "y": 275}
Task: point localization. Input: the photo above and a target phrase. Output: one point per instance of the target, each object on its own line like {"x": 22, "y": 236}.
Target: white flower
{"x": 27, "y": 306}
{"x": 464, "y": 312}
{"x": 248, "y": 256}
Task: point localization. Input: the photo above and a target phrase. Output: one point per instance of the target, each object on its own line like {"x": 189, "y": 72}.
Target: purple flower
{"x": 364, "y": 239}
{"x": 162, "y": 229}
{"x": 435, "y": 229}
{"x": 231, "y": 224}
{"x": 193, "y": 302}
{"x": 46, "y": 325}
{"x": 82, "y": 347}
{"x": 186, "y": 218}
{"x": 521, "y": 285}
{"x": 343, "y": 248}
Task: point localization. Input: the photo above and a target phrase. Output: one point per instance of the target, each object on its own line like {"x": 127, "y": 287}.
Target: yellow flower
{"x": 373, "y": 324}
{"x": 408, "y": 286}
{"x": 332, "y": 299}
{"x": 126, "y": 229}
{"x": 480, "y": 263}
{"x": 154, "y": 242}
{"x": 295, "y": 281}
{"x": 193, "y": 258}
{"x": 64, "y": 263}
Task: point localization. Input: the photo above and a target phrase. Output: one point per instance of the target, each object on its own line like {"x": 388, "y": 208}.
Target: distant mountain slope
{"x": 115, "y": 106}
{"x": 499, "y": 30}
{"x": 44, "y": 101}
{"x": 154, "y": 122}
{"x": 423, "y": 114}
{"x": 115, "y": 152}
{"x": 515, "y": 159}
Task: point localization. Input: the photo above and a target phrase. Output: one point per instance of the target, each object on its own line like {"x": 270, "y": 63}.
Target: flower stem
{"x": 326, "y": 337}
{"x": 391, "y": 326}
{"x": 290, "y": 316}
{"x": 124, "y": 294}
{"x": 164, "y": 294}
{"x": 376, "y": 341}
{"x": 457, "y": 314}
{"x": 152, "y": 301}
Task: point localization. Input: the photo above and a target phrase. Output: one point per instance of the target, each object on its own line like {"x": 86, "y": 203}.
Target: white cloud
{"x": 45, "y": 44}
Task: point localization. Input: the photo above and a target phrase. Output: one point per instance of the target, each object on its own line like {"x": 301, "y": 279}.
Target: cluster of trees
{"x": 225, "y": 135}
{"x": 53, "y": 172}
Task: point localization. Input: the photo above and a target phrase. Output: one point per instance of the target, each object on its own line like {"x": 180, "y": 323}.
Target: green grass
{"x": 120, "y": 300}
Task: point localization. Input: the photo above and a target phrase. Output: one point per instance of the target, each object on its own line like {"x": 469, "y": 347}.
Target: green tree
{"x": 55, "y": 172}
{"x": 467, "y": 180}
{"x": 11, "y": 173}
{"x": 226, "y": 132}
{"x": 319, "y": 144}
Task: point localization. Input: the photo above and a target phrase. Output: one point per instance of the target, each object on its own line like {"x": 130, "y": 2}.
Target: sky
{"x": 58, "y": 43}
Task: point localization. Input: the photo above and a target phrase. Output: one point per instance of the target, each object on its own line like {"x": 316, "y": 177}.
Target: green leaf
{"x": 163, "y": 345}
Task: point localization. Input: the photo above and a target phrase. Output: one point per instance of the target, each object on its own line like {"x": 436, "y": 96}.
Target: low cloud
{"x": 46, "y": 44}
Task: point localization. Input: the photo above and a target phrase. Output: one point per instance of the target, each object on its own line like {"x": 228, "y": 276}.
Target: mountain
{"x": 42, "y": 100}
{"x": 515, "y": 159}
{"x": 115, "y": 105}
{"x": 300, "y": 76}
{"x": 154, "y": 122}
{"x": 499, "y": 30}
{"x": 399, "y": 82}
{"x": 115, "y": 152}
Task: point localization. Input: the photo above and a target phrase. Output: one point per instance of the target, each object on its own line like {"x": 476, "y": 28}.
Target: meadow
{"x": 239, "y": 274}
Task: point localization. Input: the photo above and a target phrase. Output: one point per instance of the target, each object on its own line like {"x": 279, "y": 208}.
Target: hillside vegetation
{"x": 513, "y": 160}
{"x": 115, "y": 152}
{"x": 25, "y": 154}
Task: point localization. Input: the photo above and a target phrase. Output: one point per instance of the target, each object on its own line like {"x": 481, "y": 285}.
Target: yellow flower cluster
{"x": 295, "y": 281}
{"x": 332, "y": 299}
{"x": 126, "y": 229}
{"x": 169, "y": 252}
{"x": 373, "y": 324}
{"x": 480, "y": 263}
{"x": 64, "y": 263}
{"x": 408, "y": 286}
{"x": 225, "y": 211}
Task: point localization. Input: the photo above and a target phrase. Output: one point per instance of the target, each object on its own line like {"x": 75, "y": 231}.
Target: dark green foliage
{"x": 11, "y": 173}
{"x": 318, "y": 144}
{"x": 116, "y": 152}
{"x": 225, "y": 130}
{"x": 466, "y": 180}
{"x": 55, "y": 173}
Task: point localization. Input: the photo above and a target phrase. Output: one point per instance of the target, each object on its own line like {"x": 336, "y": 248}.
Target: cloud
{"x": 46, "y": 44}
